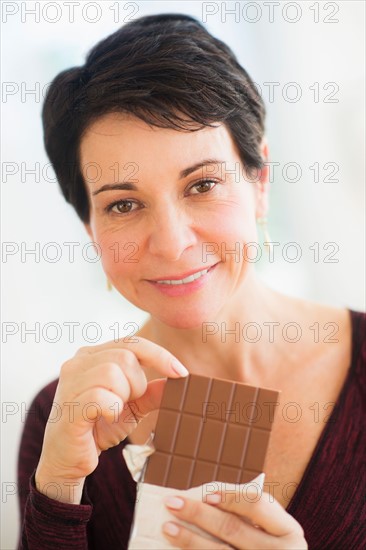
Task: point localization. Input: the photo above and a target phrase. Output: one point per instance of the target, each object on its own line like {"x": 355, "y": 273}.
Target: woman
{"x": 146, "y": 140}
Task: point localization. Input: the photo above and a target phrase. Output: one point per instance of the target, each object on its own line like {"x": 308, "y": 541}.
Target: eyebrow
{"x": 130, "y": 186}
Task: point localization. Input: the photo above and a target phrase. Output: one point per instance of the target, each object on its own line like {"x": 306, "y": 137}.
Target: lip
{"x": 184, "y": 289}
{"x": 181, "y": 275}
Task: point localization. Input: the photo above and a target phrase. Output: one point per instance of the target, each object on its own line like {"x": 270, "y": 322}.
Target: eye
{"x": 121, "y": 207}
{"x": 203, "y": 186}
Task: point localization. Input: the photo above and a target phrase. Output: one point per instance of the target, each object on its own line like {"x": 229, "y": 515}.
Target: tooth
{"x": 189, "y": 279}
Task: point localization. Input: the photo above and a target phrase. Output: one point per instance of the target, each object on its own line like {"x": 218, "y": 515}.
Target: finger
{"x": 262, "y": 509}
{"x": 128, "y": 369}
{"x": 150, "y": 400}
{"x": 148, "y": 353}
{"x": 226, "y": 526}
{"x": 98, "y": 410}
{"x": 120, "y": 411}
{"x": 92, "y": 405}
{"x": 130, "y": 414}
{"x": 126, "y": 380}
{"x": 182, "y": 537}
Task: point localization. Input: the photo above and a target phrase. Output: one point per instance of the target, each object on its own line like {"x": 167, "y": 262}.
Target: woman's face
{"x": 166, "y": 205}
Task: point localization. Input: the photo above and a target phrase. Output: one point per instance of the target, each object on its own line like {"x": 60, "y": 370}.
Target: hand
{"x": 239, "y": 521}
{"x": 101, "y": 396}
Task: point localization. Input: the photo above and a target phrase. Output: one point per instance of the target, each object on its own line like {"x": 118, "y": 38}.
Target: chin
{"x": 188, "y": 319}
{"x": 184, "y": 324}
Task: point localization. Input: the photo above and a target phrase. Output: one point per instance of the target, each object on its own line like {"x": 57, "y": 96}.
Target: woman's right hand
{"x": 101, "y": 396}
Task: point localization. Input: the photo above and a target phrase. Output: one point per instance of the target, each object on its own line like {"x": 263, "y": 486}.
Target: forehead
{"x": 117, "y": 137}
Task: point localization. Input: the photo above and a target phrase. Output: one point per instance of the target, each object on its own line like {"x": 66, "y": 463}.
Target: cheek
{"x": 234, "y": 235}
{"x": 233, "y": 225}
{"x": 119, "y": 254}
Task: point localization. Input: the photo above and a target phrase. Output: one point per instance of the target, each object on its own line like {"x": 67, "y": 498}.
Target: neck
{"x": 242, "y": 343}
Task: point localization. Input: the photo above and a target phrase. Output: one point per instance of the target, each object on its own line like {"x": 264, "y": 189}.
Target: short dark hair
{"x": 167, "y": 70}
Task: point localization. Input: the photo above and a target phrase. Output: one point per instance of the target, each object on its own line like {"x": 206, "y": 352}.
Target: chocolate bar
{"x": 210, "y": 429}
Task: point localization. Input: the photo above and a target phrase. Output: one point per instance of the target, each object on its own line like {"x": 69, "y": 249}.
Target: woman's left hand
{"x": 238, "y": 521}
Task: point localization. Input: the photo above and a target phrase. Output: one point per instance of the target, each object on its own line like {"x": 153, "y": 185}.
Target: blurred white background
{"x": 319, "y": 46}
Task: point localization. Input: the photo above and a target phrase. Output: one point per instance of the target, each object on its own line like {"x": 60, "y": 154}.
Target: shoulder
{"x": 359, "y": 345}
{"x": 359, "y": 330}
{"x": 350, "y": 327}
{"x": 42, "y": 402}
{"x": 47, "y": 392}
{"x": 33, "y": 431}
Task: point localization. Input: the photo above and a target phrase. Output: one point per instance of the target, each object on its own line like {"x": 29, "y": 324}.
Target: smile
{"x": 186, "y": 280}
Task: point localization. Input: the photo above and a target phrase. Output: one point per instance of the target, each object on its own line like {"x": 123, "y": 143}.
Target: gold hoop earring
{"x": 109, "y": 285}
{"x": 267, "y": 239}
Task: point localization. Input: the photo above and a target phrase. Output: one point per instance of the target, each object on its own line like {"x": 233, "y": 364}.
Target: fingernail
{"x": 171, "y": 529}
{"x": 213, "y": 499}
{"x": 174, "y": 502}
{"x": 178, "y": 368}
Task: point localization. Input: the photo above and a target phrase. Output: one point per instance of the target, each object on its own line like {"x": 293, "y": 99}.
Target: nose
{"x": 171, "y": 233}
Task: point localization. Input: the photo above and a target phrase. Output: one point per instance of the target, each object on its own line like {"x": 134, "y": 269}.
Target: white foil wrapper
{"x": 150, "y": 510}
{"x": 136, "y": 456}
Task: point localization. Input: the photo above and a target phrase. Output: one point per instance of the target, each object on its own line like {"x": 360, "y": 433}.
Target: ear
{"x": 262, "y": 184}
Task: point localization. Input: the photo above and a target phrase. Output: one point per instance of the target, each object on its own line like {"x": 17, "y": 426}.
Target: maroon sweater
{"x": 329, "y": 503}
